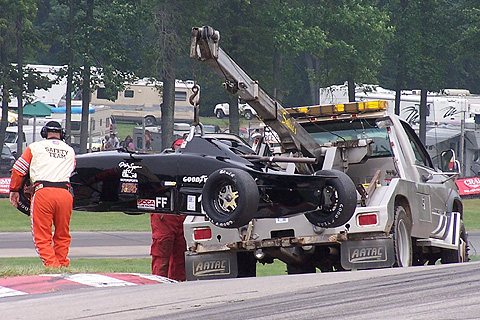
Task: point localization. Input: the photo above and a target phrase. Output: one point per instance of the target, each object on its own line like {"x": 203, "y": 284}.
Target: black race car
{"x": 218, "y": 176}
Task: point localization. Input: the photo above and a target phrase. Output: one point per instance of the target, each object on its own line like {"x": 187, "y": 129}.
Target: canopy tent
{"x": 12, "y": 117}
{"x": 38, "y": 109}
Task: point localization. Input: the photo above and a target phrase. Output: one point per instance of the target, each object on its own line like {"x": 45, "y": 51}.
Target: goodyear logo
{"x": 211, "y": 267}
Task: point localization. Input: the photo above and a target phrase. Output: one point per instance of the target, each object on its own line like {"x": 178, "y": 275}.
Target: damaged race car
{"x": 217, "y": 176}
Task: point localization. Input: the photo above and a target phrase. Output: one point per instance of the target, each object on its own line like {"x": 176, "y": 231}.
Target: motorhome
{"x": 50, "y": 96}
{"x": 444, "y": 107}
{"x": 100, "y": 123}
{"x": 142, "y": 100}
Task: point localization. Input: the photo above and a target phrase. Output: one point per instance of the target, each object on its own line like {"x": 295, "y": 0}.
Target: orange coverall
{"x": 168, "y": 246}
{"x": 50, "y": 163}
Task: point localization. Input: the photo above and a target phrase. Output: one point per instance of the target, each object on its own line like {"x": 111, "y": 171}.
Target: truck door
{"x": 431, "y": 194}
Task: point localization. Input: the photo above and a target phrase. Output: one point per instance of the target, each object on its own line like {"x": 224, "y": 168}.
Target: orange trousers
{"x": 52, "y": 205}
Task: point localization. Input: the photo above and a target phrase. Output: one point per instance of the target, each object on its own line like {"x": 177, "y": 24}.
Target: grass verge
{"x": 11, "y": 267}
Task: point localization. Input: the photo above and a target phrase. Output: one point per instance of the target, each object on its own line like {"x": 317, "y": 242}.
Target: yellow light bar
{"x": 337, "y": 109}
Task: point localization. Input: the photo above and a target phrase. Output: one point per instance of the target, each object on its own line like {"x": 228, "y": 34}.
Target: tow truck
{"x": 408, "y": 212}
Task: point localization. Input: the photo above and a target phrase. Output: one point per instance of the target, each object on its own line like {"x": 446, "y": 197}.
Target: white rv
{"x": 142, "y": 100}
{"x": 443, "y": 108}
{"x": 100, "y": 123}
{"x": 50, "y": 96}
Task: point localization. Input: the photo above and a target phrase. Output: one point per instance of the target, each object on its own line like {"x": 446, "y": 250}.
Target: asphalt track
{"x": 426, "y": 292}
{"x": 98, "y": 244}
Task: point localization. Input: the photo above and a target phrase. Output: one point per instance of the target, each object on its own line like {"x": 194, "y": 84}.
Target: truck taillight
{"x": 369, "y": 219}
{"x": 202, "y": 234}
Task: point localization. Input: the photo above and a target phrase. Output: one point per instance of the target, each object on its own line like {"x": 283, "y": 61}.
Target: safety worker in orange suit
{"x": 50, "y": 163}
{"x": 168, "y": 243}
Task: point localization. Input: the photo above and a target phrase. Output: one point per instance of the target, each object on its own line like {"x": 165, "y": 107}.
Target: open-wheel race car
{"x": 216, "y": 175}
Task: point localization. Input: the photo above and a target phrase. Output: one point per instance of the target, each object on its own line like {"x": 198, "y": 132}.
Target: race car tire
{"x": 248, "y": 115}
{"x": 25, "y": 195}
{"x": 338, "y": 200}
{"x": 230, "y": 198}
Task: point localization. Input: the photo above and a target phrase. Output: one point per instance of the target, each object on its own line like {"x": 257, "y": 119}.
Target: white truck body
{"x": 393, "y": 172}
{"x": 408, "y": 212}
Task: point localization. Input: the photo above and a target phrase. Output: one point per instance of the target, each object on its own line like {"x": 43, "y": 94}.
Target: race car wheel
{"x": 460, "y": 255}
{"x": 25, "y": 192}
{"x": 402, "y": 239}
{"x": 230, "y": 198}
{"x": 338, "y": 200}
{"x": 248, "y": 115}
{"x": 219, "y": 114}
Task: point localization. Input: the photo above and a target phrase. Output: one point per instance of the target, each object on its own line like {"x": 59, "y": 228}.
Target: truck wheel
{"x": 338, "y": 200}
{"x": 230, "y": 198}
{"x": 460, "y": 255}
{"x": 219, "y": 114}
{"x": 150, "y": 121}
{"x": 308, "y": 267}
{"x": 247, "y": 264}
{"x": 402, "y": 240}
{"x": 248, "y": 115}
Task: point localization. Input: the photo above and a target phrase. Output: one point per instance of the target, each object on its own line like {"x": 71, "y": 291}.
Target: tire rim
{"x": 403, "y": 244}
{"x": 226, "y": 199}
{"x": 330, "y": 199}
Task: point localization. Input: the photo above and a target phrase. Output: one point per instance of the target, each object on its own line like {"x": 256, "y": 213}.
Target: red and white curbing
{"x": 23, "y": 285}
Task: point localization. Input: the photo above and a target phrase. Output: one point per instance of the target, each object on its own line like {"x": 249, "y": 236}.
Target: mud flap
{"x": 367, "y": 254}
{"x": 211, "y": 266}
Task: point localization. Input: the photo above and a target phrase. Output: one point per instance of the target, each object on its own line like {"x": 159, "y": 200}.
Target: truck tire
{"x": 248, "y": 115}
{"x": 338, "y": 201}
{"x": 460, "y": 255}
{"x": 308, "y": 267}
{"x": 402, "y": 239}
{"x": 150, "y": 121}
{"x": 230, "y": 198}
{"x": 247, "y": 264}
{"x": 219, "y": 114}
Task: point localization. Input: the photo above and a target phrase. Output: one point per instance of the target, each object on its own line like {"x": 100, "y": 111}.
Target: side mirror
{"x": 448, "y": 162}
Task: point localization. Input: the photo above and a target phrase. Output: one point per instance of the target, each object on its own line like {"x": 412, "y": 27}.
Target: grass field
{"x": 12, "y": 220}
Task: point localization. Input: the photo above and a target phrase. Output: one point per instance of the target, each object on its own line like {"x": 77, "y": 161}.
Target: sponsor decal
{"x": 129, "y": 187}
{"x": 128, "y": 171}
{"x": 468, "y": 186}
{"x": 367, "y": 254}
{"x": 198, "y": 179}
{"x": 162, "y": 203}
{"x": 228, "y": 173}
{"x": 211, "y": 267}
{"x": 191, "y": 202}
{"x": 147, "y": 204}
{"x": 281, "y": 220}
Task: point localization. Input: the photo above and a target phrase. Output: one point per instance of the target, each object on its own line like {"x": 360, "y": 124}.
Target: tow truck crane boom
{"x": 293, "y": 137}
